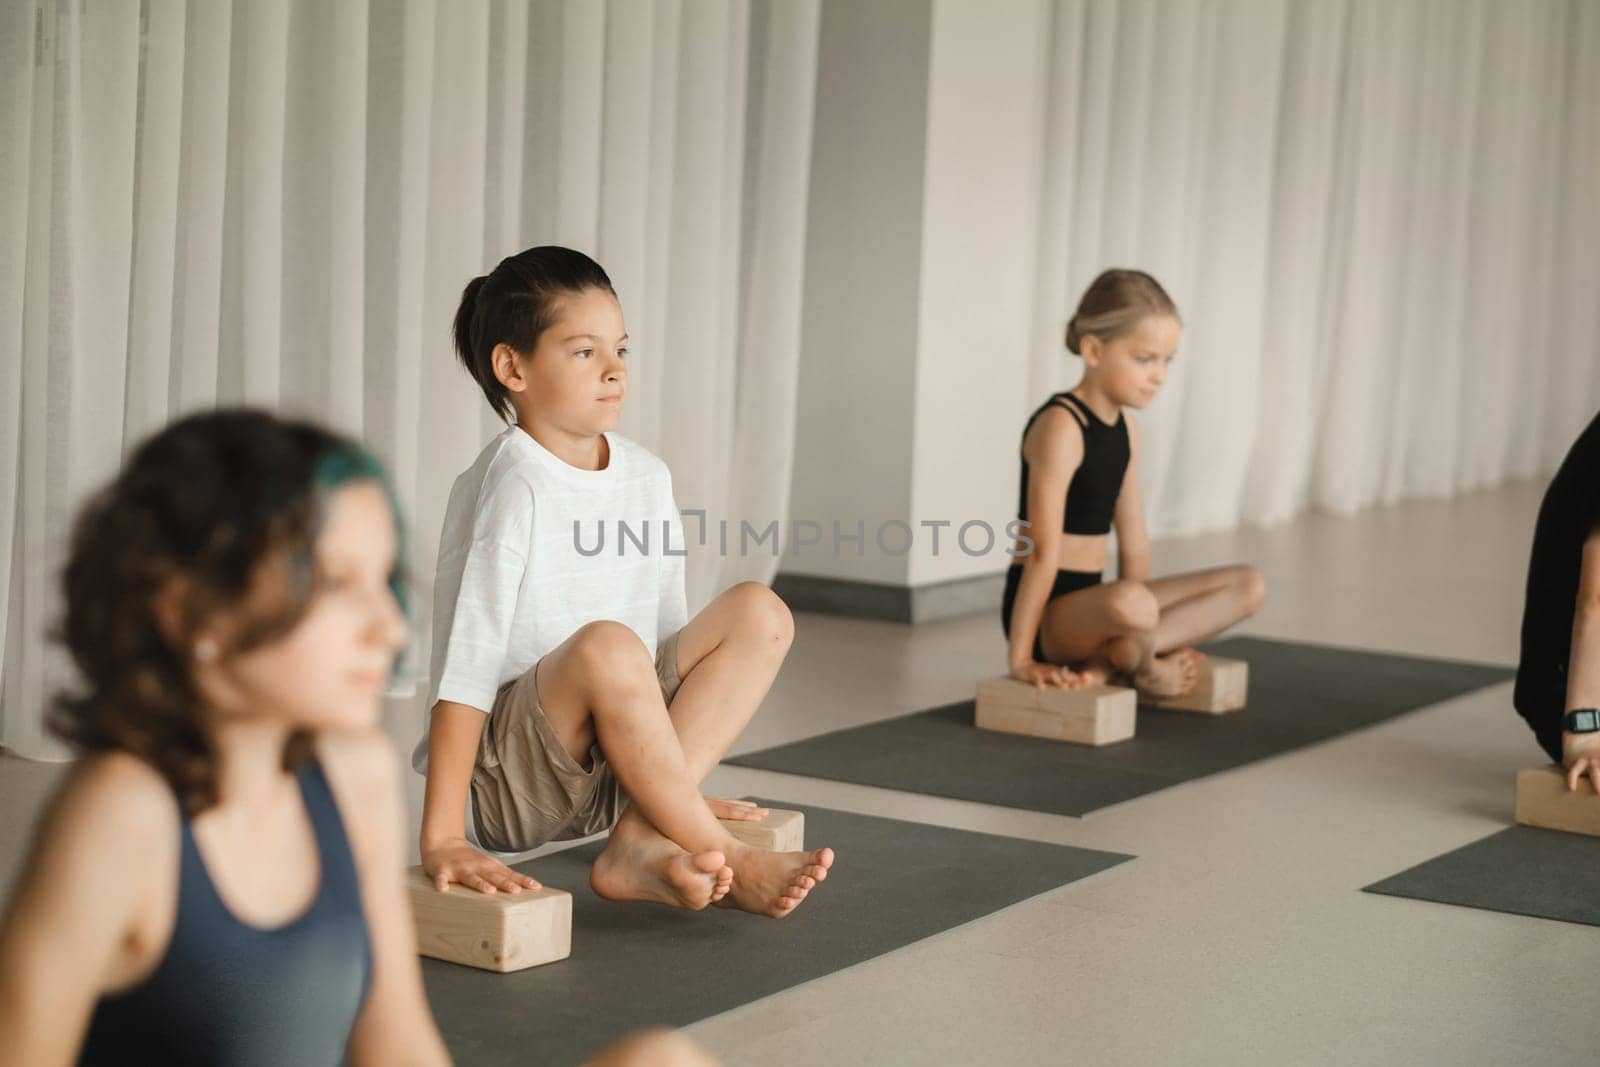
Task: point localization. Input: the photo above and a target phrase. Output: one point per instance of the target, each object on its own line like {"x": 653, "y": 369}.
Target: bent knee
{"x": 610, "y": 650}
{"x": 1132, "y": 605}
{"x": 762, "y": 612}
{"x": 1253, "y": 588}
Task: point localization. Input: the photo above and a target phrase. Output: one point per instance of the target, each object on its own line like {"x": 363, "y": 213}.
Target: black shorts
{"x": 1541, "y": 699}
{"x": 1066, "y": 582}
{"x": 1548, "y": 736}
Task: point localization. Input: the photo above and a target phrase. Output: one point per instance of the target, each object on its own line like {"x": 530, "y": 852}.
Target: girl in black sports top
{"x": 1080, "y": 460}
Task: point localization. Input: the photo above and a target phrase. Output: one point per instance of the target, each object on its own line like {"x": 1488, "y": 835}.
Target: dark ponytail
{"x": 513, "y": 305}
{"x": 465, "y": 316}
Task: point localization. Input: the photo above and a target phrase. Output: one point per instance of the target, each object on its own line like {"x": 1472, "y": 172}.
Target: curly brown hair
{"x": 230, "y": 503}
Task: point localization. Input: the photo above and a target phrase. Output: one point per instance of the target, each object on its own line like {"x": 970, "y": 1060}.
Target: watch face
{"x": 1586, "y": 721}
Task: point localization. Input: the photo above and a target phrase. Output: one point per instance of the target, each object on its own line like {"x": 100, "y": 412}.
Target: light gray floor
{"x": 1240, "y": 934}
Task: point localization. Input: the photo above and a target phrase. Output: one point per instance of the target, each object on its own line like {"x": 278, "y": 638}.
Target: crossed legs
{"x": 601, "y": 685}
{"x": 1145, "y": 629}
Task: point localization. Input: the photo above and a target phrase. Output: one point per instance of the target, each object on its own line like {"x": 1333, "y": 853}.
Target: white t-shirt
{"x": 533, "y": 548}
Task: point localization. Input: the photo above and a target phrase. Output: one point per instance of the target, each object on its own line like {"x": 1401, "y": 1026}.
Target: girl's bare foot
{"x": 1171, "y": 675}
{"x": 639, "y": 864}
{"x": 1094, "y": 673}
{"x": 774, "y": 883}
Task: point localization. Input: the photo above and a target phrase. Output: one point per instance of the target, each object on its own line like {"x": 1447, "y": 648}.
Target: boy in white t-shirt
{"x": 571, "y": 693}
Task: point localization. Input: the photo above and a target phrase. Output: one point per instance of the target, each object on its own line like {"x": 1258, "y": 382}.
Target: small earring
{"x": 205, "y": 650}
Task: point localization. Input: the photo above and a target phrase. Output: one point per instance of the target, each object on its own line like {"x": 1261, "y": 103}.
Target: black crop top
{"x": 1092, "y": 494}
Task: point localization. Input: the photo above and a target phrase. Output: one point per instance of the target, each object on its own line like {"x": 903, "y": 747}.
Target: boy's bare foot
{"x": 639, "y": 864}
{"x": 774, "y": 883}
{"x": 737, "y": 810}
{"x": 1172, "y": 675}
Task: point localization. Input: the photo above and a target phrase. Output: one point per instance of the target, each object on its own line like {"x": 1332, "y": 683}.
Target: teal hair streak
{"x": 350, "y": 463}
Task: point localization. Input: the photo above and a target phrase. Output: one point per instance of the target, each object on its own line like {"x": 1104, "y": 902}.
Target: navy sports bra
{"x": 226, "y": 992}
{"x": 1092, "y": 494}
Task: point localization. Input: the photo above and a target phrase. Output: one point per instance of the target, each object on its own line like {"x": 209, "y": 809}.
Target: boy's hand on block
{"x": 491, "y": 931}
{"x": 1580, "y": 753}
{"x": 456, "y": 861}
{"x": 735, "y": 810}
{"x": 776, "y": 831}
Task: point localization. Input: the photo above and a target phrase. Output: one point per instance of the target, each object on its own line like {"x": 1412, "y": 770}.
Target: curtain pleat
{"x": 1377, "y": 219}
{"x": 279, "y": 203}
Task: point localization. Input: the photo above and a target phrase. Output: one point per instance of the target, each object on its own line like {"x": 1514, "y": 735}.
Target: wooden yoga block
{"x": 780, "y": 831}
{"x": 492, "y": 931}
{"x": 1543, "y": 800}
{"x": 1224, "y": 684}
{"x": 1095, "y": 715}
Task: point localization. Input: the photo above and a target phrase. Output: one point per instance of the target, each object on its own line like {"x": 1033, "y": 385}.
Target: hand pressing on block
{"x": 1580, "y": 756}
{"x": 1039, "y": 674}
{"x": 1544, "y": 800}
{"x": 494, "y": 931}
{"x": 1222, "y": 686}
{"x": 736, "y": 810}
{"x": 1091, "y": 715}
{"x": 776, "y": 831}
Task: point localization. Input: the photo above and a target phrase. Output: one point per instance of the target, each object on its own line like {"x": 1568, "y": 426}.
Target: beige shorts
{"x": 527, "y": 789}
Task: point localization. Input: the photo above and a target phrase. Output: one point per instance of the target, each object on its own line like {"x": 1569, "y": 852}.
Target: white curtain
{"x": 1380, "y": 220}
{"x": 278, "y": 202}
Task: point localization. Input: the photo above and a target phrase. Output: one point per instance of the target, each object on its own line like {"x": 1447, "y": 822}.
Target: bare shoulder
{"x": 98, "y": 883}
{"x": 113, "y": 812}
{"x": 115, "y": 797}
{"x": 1054, "y": 439}
{"x": 1133, "y": 428}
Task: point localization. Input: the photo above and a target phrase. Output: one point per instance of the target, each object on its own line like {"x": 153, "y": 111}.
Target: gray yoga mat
{"x": 640, "y": 965}
{"x": 1549, "y": 874}
{"x": 1299, "y": 694}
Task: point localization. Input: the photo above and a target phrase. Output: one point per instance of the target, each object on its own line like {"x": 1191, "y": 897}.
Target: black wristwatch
{"x": 1582, "y": 721}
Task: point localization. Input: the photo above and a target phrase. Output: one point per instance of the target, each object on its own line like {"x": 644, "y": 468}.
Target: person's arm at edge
{"x": 1581, "y": 752}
